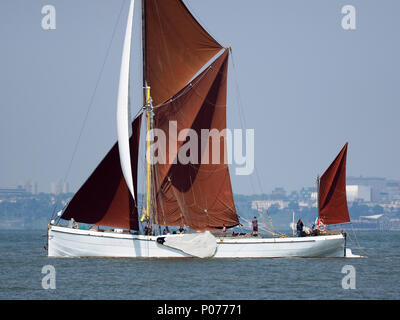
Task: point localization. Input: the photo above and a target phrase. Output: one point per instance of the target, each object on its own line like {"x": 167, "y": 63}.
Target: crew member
{"x": 299, "y": 227}
{"x": 255, "y": 227}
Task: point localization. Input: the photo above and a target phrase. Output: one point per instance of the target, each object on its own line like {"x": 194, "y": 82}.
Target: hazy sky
{"x": 307, "y": 86}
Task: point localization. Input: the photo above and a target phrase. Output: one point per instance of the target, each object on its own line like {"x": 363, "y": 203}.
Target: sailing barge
{"x": 198, "y": 195}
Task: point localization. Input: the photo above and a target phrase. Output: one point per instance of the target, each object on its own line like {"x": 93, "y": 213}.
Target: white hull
{"x": 67, "y": 242}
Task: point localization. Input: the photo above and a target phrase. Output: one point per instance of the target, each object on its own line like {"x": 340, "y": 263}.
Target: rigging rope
{"x": 243, "y": 124}
{"x": 92, "y": 99}
{"x": 94, "y": 93}
{"x": 357, "y": 244}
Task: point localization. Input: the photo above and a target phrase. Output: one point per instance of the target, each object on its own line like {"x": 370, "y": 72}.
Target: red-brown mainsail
{"x": 198, "y": 195}
{"x": 104, "y": 199}
{"x": 176, "y": 47}
{"x": 332, "y": 191}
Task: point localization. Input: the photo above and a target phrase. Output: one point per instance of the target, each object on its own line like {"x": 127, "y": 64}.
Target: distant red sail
{"x": 176, "y": 47}
{"x": 332, "y": 191}
{"x": 104, "y": 199}
{"x": 196, "y": 195}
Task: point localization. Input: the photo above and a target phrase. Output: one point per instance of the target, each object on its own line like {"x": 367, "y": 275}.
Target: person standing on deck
{"x": 299, "y": 228}
{"x": 255, "y": 227}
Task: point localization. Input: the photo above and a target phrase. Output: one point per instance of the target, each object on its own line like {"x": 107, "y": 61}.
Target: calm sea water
{"x": 22, "y": 258}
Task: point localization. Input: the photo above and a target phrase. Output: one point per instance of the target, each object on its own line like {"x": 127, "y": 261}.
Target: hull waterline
{"x": 68, "y": 242}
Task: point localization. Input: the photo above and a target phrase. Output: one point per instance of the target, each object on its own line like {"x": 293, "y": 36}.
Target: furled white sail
{"x": 201, "y": 245}
{"x": 123, "y": 108}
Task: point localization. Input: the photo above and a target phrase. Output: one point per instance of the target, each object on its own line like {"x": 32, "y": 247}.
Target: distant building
{"x": 31, "y": 187}
{"x": 353, "y": 192}
{"x": 281, "y": 192}
{"x": 59, "y": 187}
{"x": 266, "y": 204}
{"x": 377, "y": 185}
{"x": 65, "y": 187}
{"x": 382, "y": 190}
{"x": 313, "y": 196}
{"x": 392, "y": 189}
{"x": 309, "y": 194}
{"x": 358, "y": 192}
{"x": 294, "y": 195}
{"x": 307, "y": 204}
{"x": 12, "y": 191}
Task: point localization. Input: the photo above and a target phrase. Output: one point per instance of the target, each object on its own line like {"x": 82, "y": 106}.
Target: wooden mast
{"x": 148, "y": 107}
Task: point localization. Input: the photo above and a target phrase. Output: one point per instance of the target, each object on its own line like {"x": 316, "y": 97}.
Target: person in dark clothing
{"x": 255, "y": 226}
{"x": 299, "y": 227}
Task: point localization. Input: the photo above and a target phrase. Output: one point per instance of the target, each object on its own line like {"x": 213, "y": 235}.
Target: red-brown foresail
{"x": 332, "y": 191}
{"x": 104, "y": 199}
